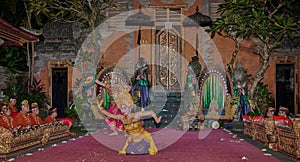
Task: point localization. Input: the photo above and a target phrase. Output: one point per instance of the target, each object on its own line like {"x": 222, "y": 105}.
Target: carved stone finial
{"x": 141, "y": 64}
{"x": 195, "y": 65}
{"x": 240, "y": 74}
{"x": 197, "y": 9}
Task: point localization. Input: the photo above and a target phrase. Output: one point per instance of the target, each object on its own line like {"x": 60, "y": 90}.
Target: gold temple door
{"x": 166, "y": 55}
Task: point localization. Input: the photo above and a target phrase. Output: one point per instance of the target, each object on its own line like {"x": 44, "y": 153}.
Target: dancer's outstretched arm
{"x": 148, "y": 113}
{"x": 100, "y": 83}
{"x": 106, "y": 113}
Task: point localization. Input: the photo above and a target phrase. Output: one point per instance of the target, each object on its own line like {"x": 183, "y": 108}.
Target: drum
{"x": 215, "y": 125}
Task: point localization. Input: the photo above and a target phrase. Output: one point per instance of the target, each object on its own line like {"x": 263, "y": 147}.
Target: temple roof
{"x": 139, "y": 19}
{"x": 11, "y": 35}
{"x": 197, "y": 19}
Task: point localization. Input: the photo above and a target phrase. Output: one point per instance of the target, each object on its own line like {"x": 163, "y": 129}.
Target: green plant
{"x": 78, "y": 104}
{"x": 256, "y": 112}
{"x": 13, "y": 57}
{"x": 18, "y": 87}
{"x": 263, "y": 98}
{"x": 37, "y": 93}
{"x": 73, "y": 112}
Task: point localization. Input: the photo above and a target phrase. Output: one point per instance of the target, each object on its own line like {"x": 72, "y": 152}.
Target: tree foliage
{"x": 13, "y": 57}
{"x": 14, "y": 11}
{"x": 86, "y": 11}
{"x": 267, "y": 21}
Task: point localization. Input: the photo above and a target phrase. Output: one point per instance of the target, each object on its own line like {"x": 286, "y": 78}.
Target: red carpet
{"x": 219, "y": 145}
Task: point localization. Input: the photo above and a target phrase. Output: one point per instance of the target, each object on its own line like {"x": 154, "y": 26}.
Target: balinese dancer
{"x": 139, "y": 141}
{"x": 113, "y": 91}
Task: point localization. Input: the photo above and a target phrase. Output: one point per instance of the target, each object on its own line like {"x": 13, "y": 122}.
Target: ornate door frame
{"x": 293, "y": 60}
{"x": 167, "y": 58}
{"x": 52, "y": 64}
{"x": 167, "y": 32}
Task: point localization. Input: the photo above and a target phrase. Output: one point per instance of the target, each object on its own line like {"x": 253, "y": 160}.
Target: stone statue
{"x": 240, "y": 80}
{"x": 141, "y": 83}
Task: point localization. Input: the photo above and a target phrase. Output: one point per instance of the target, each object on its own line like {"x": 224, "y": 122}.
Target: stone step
{"x": 162, "y": 109}
{"x": 169, "y": 94}
{"x": 237, "y": 126}
{"x": 165, "y": 104}
{"x": 158, "y": 99}
{"x": 167, "y": 118}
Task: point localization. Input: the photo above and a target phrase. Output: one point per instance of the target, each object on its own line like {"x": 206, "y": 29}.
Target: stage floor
{"x": 174, "y": 145}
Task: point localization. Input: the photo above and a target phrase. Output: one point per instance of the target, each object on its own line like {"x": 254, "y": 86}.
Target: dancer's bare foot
{"x": 142, "y": 109}
{"x": 157, "y": 120}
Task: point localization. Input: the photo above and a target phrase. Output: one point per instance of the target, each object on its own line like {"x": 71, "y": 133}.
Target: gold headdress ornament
{"x": 24, "y": 102}
{"x": 112, "y": 75}
{"x": 4, "y": 108}
{"x": 107, "y": 73}
{"x": 281, "y": 108}
{"x": 34, "y": 105}
{"x": 271, "y": 109}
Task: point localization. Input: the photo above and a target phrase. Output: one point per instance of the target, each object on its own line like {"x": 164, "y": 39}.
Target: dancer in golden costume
{"x": 140, "y": 141}
{"x": 114, "y": 92}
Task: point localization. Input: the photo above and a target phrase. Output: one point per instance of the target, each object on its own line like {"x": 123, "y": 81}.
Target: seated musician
{"x": 52, "y": 114}
{"x": 36, "y": 114}
{"x": 23, "y": 118}
{"x": 283, "y": 120}
{"x": 6, "y": 120}
{"x": 283, "y": 111}
{"x": 12, "y": 106}
{"x": 270, "y": 112}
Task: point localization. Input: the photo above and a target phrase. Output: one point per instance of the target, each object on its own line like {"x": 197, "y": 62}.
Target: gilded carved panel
{"x": 168, "y": 58}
